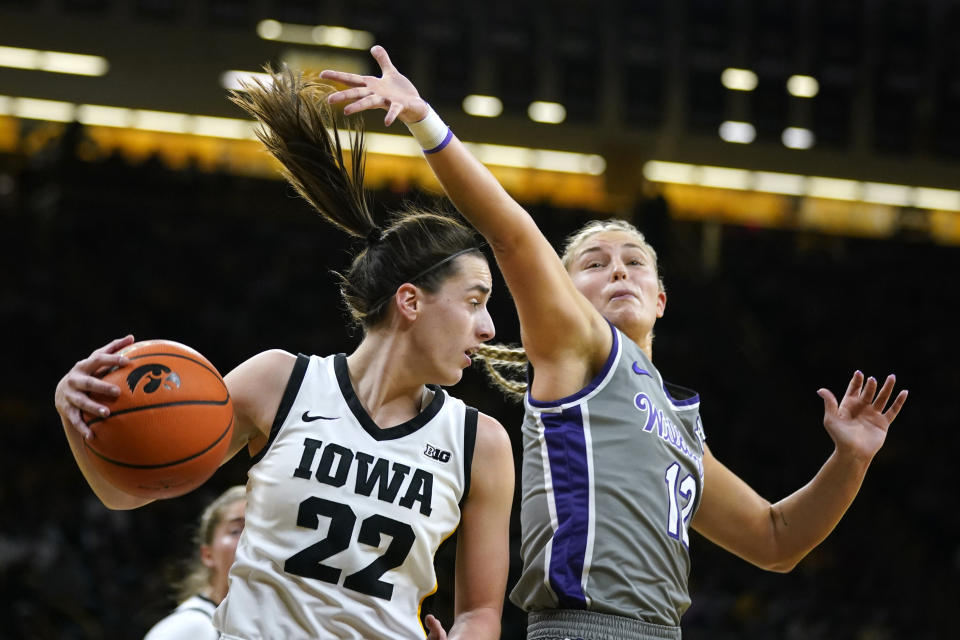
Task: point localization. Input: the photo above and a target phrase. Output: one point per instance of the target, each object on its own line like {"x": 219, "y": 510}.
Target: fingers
{"x": 343, "y": 77}
{"x": 370, "y": 102}
{"x": 881, "y": 400}
{"x": 395, "y": 109}
{"x": 98, "y": 361}
{"x": 116, "y": 345}
{"x": 830, "y": 406}
{"x": 383, "y": 59}
{"x": 894, "y": 409}
{"x": 855, "y": 386}
{"x": 91, "y": 384}
{"x": 76, "y": 421}
{"x": 435, "y": 628}
{"x": 869, "y": 388}
{"x": 348, "y": 95}
{"x": 73, "y": 395}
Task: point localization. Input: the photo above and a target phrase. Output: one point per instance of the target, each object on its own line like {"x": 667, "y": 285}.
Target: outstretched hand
{"x": 858, "y": 425}
{"x": 72, "y": 396}
{"x": 435, "y": 629}
{"x": 392, "y": 91}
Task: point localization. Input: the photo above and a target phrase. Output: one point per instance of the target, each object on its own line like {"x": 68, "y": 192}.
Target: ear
{"x": 206, "y": 555}
{"x": 661, "y": 303}
{"x": 409, "y": 301}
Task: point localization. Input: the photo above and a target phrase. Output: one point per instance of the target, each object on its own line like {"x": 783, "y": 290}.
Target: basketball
{"x": 169, "y": 429}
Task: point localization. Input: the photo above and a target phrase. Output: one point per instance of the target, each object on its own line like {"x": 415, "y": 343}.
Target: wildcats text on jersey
{"x": 387, "y": 476}
{"x": 658, "y": 421}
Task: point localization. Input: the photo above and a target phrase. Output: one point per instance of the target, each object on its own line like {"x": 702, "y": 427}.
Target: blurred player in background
{"x": 615, "y": 463}
{"x": 205, "y": 584}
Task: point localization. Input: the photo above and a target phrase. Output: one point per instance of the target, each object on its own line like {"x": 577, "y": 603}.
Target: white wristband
{"x": 431, "y": 132}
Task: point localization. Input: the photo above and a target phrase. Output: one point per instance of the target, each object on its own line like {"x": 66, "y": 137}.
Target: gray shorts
{"x": 571, "y": 624}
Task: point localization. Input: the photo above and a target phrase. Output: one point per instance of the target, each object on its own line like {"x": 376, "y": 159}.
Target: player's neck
{"x": 381, "y": 376}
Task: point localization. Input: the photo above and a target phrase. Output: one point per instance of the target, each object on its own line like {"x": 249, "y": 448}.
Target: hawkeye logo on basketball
{"x": 437, "y": 454}
{"x": 155, "y": 375}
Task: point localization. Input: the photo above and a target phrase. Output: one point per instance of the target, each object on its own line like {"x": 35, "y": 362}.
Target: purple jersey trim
{"x": 569, "y": 475}
{"x": 686, "y": 402}
{"x": 597, "y": 379}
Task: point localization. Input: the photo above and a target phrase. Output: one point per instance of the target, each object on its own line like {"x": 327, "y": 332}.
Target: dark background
{"x": 233, "y": 266}
{"x": 92, "y": 250}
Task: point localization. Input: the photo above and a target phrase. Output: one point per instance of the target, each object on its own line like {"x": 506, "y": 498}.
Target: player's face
{"x": 617, "y": 275}
{"x": 218, "y": 555}
{"x": 455, "y": 320}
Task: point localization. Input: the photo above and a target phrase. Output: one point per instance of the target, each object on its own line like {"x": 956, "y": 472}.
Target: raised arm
{"x": 777, "y": 536}
{"x": 255, "y": 386}
{"x": 559, "y": 326}
{"x": 483, "y": 540}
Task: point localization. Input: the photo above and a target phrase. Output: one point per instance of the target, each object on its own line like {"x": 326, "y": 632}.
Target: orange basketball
{"x": 169, "y": 429}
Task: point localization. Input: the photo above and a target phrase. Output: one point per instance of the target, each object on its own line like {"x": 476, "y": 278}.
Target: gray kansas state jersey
{"x": 612, "y": 476}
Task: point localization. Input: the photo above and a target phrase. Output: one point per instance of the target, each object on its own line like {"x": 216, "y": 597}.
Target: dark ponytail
{"x": 302, "y": 131}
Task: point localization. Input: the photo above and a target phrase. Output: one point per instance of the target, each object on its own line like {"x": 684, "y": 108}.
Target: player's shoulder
{"x": 183, "y": 623}
{"x": 492, "y": 437}
{"x": 271, "y": 361}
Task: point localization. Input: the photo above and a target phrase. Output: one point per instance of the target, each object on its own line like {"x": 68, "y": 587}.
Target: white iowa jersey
{"x": 344, "y": 518}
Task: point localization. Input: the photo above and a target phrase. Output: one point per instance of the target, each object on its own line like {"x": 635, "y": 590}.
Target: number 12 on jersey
{"x": 678, "y": 519}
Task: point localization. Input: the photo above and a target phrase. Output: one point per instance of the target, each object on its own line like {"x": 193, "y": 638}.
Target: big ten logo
{"x": 437, "y": 454}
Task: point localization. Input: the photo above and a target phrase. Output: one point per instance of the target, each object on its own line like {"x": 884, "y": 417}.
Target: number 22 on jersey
{"x": 309, "y": 562}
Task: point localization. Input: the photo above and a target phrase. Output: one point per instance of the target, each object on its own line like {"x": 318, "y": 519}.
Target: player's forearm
{"x": 477, "y": 624}
{"x": 110, "y": 496}
{"x": 805, "y": 518}
{"x": 477, "y": 194}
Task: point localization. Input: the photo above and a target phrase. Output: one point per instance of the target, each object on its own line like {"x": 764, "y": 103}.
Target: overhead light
{"x": 161, "y": 121}
{"x": 724, "y": 178}
{"x": 784, "y": 183}
{"x": 547, "y": 112}
{"x": 235, "y": 79}
{"x": 739, "y": 79}
{"x": 797, "y": 138}
{"x": 942, "y": 199}
{"x": 675, "y": 172}
{"x": 897, "y": 195}
{"x": 98, "y": 115}
{"x": 800, "y": 185}
{"x": 503, "y": 155}
{"x": 53, "y": 61}
{"x": 319, "y": 35}
{"x": 269, "y": 29}
{"x": 236, "y": 128}
{"x": 568, "y": 162}
{"x": 483, "y": 106}
{"x": 594, "y": 164}
{"x": 803, "y": 86}
{"x": 35, "y": 109}
{"x": 737, "y": 132}
{"x": 833, "y": 188}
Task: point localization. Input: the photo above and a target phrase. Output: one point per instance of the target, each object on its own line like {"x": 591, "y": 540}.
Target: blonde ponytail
{"x": 504, "y": 365}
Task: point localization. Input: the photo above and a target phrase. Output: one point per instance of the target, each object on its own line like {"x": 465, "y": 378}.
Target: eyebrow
{"x": 485, "y": 290}
{"x": 628, "y": 245}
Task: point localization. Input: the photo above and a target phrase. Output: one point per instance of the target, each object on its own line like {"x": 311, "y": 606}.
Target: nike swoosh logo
{"x": 306, "y": 417}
